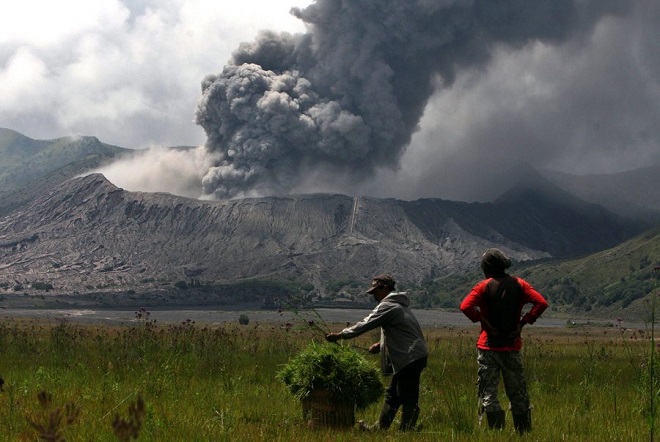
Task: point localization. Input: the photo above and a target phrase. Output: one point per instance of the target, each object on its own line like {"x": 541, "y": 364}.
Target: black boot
{"x": 495, "y": 419}
{"x": 386, "y": 416}
{"x": 523, "y": 422}
{"x": 409, "y": 416}
{"x": 384, "y": 421}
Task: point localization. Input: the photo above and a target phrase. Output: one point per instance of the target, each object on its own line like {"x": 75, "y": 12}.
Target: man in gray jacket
{"x": 402, "y": 347}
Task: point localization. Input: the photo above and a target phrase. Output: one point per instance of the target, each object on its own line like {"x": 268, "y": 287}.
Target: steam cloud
{"x": 344, "y": 98}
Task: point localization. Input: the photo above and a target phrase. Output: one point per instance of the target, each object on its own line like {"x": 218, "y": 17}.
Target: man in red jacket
{"x": 497, "y": 302}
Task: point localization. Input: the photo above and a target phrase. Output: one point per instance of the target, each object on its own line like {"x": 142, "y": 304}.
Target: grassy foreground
{"x": 193, "y": 382}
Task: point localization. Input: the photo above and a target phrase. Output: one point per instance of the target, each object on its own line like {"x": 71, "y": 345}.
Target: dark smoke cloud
{"x": 344, "y": 99}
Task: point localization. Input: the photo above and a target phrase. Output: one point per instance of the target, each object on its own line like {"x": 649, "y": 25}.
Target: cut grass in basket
{"x": 336, "y": 368}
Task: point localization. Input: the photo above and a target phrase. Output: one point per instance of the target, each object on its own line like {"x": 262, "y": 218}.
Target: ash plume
{"x": 343, "y": 100}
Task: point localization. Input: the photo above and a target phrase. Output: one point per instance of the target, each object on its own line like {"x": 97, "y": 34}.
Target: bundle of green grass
{"x": 337, "y": 368}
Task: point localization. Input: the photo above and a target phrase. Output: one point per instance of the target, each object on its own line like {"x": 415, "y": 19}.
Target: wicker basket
{"x": 322, "y": 410}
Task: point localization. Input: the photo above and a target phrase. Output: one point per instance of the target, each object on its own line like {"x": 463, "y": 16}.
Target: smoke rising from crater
{"x": 344, "y": 99}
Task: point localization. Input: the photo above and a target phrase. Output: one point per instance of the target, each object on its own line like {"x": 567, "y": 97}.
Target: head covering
{"x": 383, "y": 280}
{"x": 494, "y": 262}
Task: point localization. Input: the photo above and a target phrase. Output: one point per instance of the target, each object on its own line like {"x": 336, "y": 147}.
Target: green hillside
{"x": 618, "y": 281}
{"x": 614, "y": 283}
{"x": 29, "y": 167}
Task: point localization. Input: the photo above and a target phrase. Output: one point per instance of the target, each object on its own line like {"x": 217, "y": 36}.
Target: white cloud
{"x": 46, "y": 24}
{"x": 127, "y": 72}
{"x": 153, "y": 169}
{"x": 24, "y": 75}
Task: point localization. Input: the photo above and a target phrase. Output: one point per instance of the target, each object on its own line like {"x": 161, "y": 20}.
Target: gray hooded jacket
{"x": 401, "y": 337}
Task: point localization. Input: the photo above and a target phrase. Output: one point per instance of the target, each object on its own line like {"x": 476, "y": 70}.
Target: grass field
{"x": 196, "y": 382}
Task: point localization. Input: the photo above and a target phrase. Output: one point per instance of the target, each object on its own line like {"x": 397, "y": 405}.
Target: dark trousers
{"x": 403, "y": 391}
{"x": 404, "y": 386}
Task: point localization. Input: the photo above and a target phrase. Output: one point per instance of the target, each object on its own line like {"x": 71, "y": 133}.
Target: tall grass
{"x": 197, "y": 382}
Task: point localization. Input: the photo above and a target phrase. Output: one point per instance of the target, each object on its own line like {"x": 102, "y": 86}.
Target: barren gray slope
{"x": 88, "y": 235}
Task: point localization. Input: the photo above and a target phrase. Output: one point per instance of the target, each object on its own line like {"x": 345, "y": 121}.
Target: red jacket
{"x": 478, "y": 304}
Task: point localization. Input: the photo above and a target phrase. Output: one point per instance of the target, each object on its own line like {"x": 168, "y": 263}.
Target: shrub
{"x": 336, "y": 368}
{"x": 42, "y": 286}
{"x": 243, "y": 319}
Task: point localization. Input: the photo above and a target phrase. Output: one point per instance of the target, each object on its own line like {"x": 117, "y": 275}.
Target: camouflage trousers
{"x": 509, "y": 365}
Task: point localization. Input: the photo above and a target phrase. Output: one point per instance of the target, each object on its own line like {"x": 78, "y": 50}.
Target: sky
{"x": 388, "y": 98}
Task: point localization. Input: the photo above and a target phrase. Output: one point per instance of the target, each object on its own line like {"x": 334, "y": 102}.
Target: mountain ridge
{"x": 633, "y": 193}
{"x": 89, "y": 234}
{"x": 31, "y": 167}
{"x": 62, "y": 236}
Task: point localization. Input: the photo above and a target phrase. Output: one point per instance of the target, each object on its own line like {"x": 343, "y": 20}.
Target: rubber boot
{"x": 409, "y": 416}
{"x": 495, "y": 419}
{"x": 386, "y": 416}
{"x": 523, "y": 422}
{"x": 384, "y": 421}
